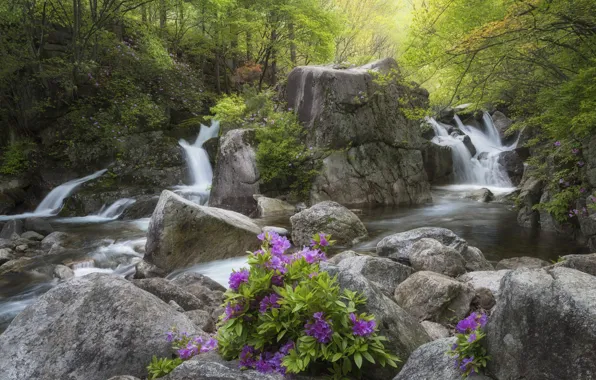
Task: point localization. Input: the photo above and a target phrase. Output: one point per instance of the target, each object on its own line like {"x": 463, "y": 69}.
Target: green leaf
{"x": 358, "y": 359}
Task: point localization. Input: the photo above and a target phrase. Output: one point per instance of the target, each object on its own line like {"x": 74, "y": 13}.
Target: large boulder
{"x": 381, "y": 271}
{"x": 236, "y": 176}
{"x": 399, "y": 246}
{"x": 331, "y": 218}
{"x": 430, "y": 362}
{"x": 483, "y": 195}
{"x": 435, "y": 330}
{"x": 582, "y": 263}
{"x": 513, "y": 165}
{"x": 166, "y": 291}
{"x": 56, "y": 238}
{"x": 431, "y": 255}
{"x": 502, "y": 124}
{"x": 182, "y": 233}
{"x": 475, "y": 260}
{"x": 434, "y": 297}
{"x": 545, "y": 326}
{"x": 89, "y": 328}
{"x": 41, "y": 226}
{"x": 522, "y": 262}
{"x": 271, "y": 207}
{"x": 202, "y": 287}
{"x": 490, "y": 280}
{"x": 438, "y": 163}
{"x": 377, "y": 147}
{"x": 530, "y": 194}
{"x": 11, "y": 228}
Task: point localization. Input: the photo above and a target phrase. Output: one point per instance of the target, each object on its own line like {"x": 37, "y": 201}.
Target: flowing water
{"x": 105, "y": 214}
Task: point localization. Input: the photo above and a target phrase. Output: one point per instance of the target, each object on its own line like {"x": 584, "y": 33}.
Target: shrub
{"x": 14, "y": 159}
{"x": 470, "y": 356}
{"x": 285, "y": 315}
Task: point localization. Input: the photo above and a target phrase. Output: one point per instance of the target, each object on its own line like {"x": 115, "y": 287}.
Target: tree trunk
{"x": 163, "y": 15}
{"x": 217, "y": 73}
{"x": 292, "y": 37}
{"x": 273, "y": 57}
{"x": 248, "y": 46}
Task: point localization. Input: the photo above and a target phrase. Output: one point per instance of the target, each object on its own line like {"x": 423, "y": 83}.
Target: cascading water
{"x": 53, "y": 202}
{"x": 483, "y": 168}
{"x": 105, "y": 214}
{"x": 201, "y": 172}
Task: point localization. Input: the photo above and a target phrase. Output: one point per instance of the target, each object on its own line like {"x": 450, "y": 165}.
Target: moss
{"x": 15, "y": 159}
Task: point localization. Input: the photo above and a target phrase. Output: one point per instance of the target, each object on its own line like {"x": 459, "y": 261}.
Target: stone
{"x": 402, "y": 330}
{"x": 335, "y": 260}
{"x": 475, "y": 260}
{"x": 124, "y": 378}
{"x": 430, "y": 362}
{"x": 513, "y": 164}
{"x": 62, "y": 272}
{"x": 530, "y": 194}
{"x": 208, "y": 291}
{"x": 522, "y": 262}
{"x": 330, "y": 218}
{"x": 6, "y": 255}
{"x": 142, "y": 208}
{"x": 482, "y": 195}
{"x": 144, "y": 269}
{"x": 435, "y": 330}
{"x": 271, "y": 207}
{"x": 55, "y": 238}
{"x": 202, "y": 319}
{"x": 502, "y": 124}
{"x": 399, "y": 246}
{"x": 468, "y": 143}
{"x": 434, "y": 297}
{"x": 236, "y": 176}
{"x": 490, "y": 280}
{"x": 484, "y": 299}
{"x": 545, "y": 327}
{"x": 166, "y": 291}
{"x": 32, "y": 235}
{"x": 431, "y": 255}
{"x": 11, "y": 227}
{"x": 278, "y": 230}
{"x": 383, "y": 272}
{"x": 182, "y": 233}
{"x": 6, "y": 243}
{"x": 438, "y": 163}
{"x": 41, "y": 226}
{"x": 582, "y": 263}
{"x": 97, "y": 326}
{"x": 175, "y": 306}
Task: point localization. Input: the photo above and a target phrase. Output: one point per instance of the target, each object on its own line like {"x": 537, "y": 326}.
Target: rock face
{"x": 383, "y": 272}
{"x": 236, "y": 176}
{"x": 96, "y": 328}
{"x": 434, "y": 297}
{"x": 438, "y": 163}
{"x": 330, "y": 218}
{"x": 435, "y": 330}
{"x": 166, "y": 291}
{"x": 430, "y": 255}
{"x": 10, "y": 228}
{"x": 182, "y": 233}
{"x": 429, "y": 362}
{"x": 545, "y": 326}
{"x": 531, "y": 191}
{"x": 513, "y": 164}
{"x": 502, "y": 124}
{"x": 399, "y": 246}
{"x": 41, "y": 226}
{"x": 522, "y": 262}
{"x": 378, "y": 158}
{"x": 269, "y": 207}
{"x": 481, "y": 195}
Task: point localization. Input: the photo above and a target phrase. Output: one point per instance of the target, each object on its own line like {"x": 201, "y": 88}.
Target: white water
{"x": 217, "y": 270}
{"x": 470, "y": 170}
{"x": 53, "y": 202}
{"x": 201, "y": 172}
{"x": 105, "y": 214}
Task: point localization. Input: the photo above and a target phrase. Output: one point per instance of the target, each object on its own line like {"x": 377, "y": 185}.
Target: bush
{"x": 470, "y": 355}
{"x": 14, "y": 159}
{"x": 285, "y": 315}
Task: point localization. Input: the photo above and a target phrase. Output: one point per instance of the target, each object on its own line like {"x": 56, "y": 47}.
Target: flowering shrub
{"x": 470, "y": 356}
{"x": 284, "y": 315}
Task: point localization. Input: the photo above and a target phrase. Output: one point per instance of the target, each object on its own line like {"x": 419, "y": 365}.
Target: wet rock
{"x": 431, "y": 255}
{"x": 202, "y": 319}
{"x": 6, "y": 255}
{"x": 31, "y": 235}
{"x": 429, "y": 362}
{"x": 208, "y": 291}
{"x": 41, "y": 226}
{"x": 148, "y": 270}
{"x": 434, "y": 297}
{"x": 62, "y": 272}
{"x": 513, "y": 164}
{"x": 490, "y": 280}
{"x": 270, "y": 207}
{"x": 481, "y": 195}
{"x": 438, "y": 163}
{"x": 11, "y": 227}
{"x": 484, "y": 299}
{"x": 475, "y": 260}
{"x": 399, "y": 246}
{"x": 236, "y": 176}
{"x": 124, "y": 378}
{"x": 383, "y": 272}
{"x": 468, "y": 143}
{"x": 278, "y": 230}
{"x": 175, "y": 306}
{"x": 435, "y": 330}
{"x": 331, "y": 218}
{"x": 95, "y": 329}
{"x": 335, "y": 260}
{"x": 546, "y": 329}
{"x": 21, "y": 248}
{"x": 181, "y": 233}
{"x": 530, "y": 194}
{"x": 166, "y": 291}
{"x": 502, "y": 124}
{"x": 142, "y": 208}
{"x": 522, "y": 262}
{"x": 582, "y": 263}
{"x": 211, "y": 146}
{"x": 6, "y": 243}
{"x": 55, "y": 238}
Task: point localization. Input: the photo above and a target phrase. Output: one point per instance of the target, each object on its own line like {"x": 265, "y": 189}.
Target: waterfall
{"x": 201, "y": 172}
{"x": 115, "y": 209}
{"x": 483, "y": 168}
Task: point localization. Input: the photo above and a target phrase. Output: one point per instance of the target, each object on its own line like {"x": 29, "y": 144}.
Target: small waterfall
{"x": 201, "y": 172}
{"x": 115, "y": 209}
{"x": 52, "y": 203}
{"x": 482, "y": 169}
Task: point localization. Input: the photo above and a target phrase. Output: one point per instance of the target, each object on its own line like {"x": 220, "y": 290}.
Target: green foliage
{"x": 15, "y": 158}
{"x": 161, "y": 367}
{"x": 230, "y": 109}
{"x": 302, "y": 291}
{"x": 474, "y": 349}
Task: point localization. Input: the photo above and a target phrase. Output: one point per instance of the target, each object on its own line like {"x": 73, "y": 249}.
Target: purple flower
{"x": 320, "y": 329}
{"x": 171, "y": 335}
{"x": 277, "y": 280}
{"x": 237, "y": 278}
{"x": 311, "y": 256}
{"x": 557, "y": 143}
{"x": 454, "y": 347}
{"x": 232, "y": 311}
{"x": 471, "y": 323}
{"x": 269, "y": 302}
{"x": 472, "y": 338}
{"x": 575, "y": 151}
{"x": 362, "y": 327}
{"x": 313, "y": 274}
{"x": 561, "y": 181}
{"x": 247, "y": 357}
{"x": 581, "y": 164}
{"x": 464, "y": 363}
{"x": 582, "y": 190}
{"x": 278, "y": 264}
{"x": 286, "y": 348}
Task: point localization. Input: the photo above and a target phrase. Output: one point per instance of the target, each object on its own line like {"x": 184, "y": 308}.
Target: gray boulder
{"x": 182, "y": 233}
{"x": 335, "y": 260}
{"x": 383, "y": 272}
{"x": 209, "y": 292}
{"x": 434, "y": 297}
{"x": 513, "y": 164}
{"x": 95, "y": 328}
{"x": 438, "y": 163}
{"x": 202, "y": 319}
{"x": 124, "y": 378}
{"x": 41, "y": 226}
{"x": 490, "y": 280}
{"x": 32, "y": 235}
{"x": 545, "y": 328}
{"x": 481, "y": 195}
{"x": 522, "y": 262}
{"x": 502, "y": 124}
{"x": 399, "y": 246}
{"x": 431, "y": 255}
{"x": 435, "y": 330}
{"x": 467, "y": 142}
{"x": 475, "y": 260}
{"x": 236, "y": 176}
{"x": 11, "y": 227}
{"x": 144, "y": 269}
{"x": 430, "y": 362}
{"x": 6, "y": 255}
{"x": 330, "y": 218}
{"x": 63, "y": 272}
{"x": 582, "y": 263}
{"x": 55, "y": 238}
{"x": 166, "y": 291}
{"x": 271, "y": 207}
{"x": 142, "y": 208}
{"x": 530, "y": 194}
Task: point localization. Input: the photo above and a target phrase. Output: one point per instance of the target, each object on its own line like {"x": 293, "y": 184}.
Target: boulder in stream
{"x": 182, "y": 233}
{"x": 41, "y": 226}
{"x": 11, "y": 228}
{"x": 381, "y": 271}
{"x": 522, "y": 262}
{"x": 399, "y": 246}
{"x": 431, "y": 255}
{"x": 513, "y": 164}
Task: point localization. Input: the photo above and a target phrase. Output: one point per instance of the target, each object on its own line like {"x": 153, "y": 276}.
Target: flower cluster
{"x": 469, "y": 354}
{"x": 284, "y": 312}
{"x": 196, "y": 346}
{"x": 185, "y": 346}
